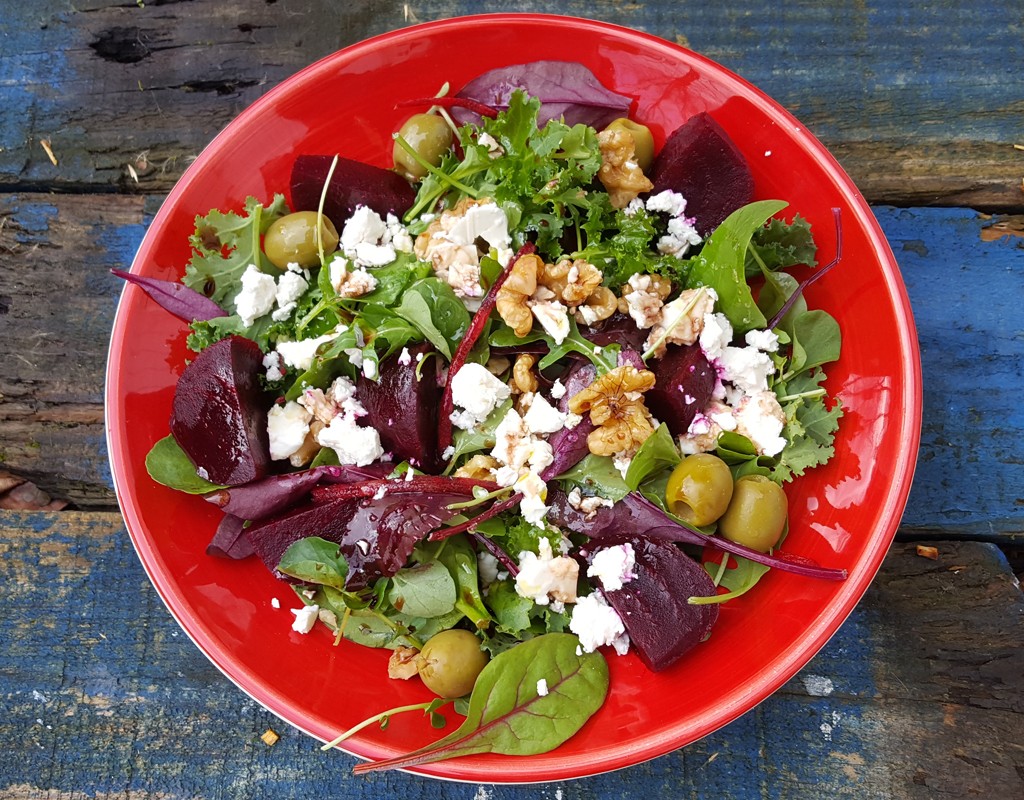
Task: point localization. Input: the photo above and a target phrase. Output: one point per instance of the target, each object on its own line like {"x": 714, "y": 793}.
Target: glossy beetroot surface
{"x": 653, "y": 606}
{"x": 353, "y": 183}
{"x": 684, "y": 384}
{"x": 404, "y": 408}
{"x": 701, "y": 162}
{"x": 219, "y": 415}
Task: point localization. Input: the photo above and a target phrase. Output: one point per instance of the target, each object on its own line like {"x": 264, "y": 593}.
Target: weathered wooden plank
{"x": 963, "y": 282}
{"x": 921, "y": 102}
{"x": 917, "y": 696}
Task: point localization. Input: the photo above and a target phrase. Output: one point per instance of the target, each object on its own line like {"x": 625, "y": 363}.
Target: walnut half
{"x": 616, "y": 405}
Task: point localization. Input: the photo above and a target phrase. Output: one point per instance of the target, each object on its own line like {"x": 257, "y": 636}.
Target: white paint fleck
{"x": 828, "y": 727}
{"x": 483, "y": 793}
{"x": 37, "y": 695}
{"x": 817, "y": 685}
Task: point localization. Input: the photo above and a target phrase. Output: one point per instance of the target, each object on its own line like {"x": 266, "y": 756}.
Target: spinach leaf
{"x": 459, "y": 559}
{"x": 816, "y": 340}
{"x": 739, "y": 577}
{"x": 167, "y": 464}
{"x": 426, "y": 590}
{"x": 507, "y": 714}
{"x": 658, "y": 453}
{"x": 315, "y": 560}
{"x": 431, "y": 305}
{"x": 721, "y": 261}
{"x": 599, "y": 475}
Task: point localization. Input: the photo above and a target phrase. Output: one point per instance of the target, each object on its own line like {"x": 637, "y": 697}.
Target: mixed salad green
{"x": 508, "y": 423}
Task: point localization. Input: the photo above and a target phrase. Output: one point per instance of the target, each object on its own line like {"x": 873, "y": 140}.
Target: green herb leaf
{"x": 431, "y": 305}
{"x": 459, "y": 559}
{"x": 598, "y": 475}
{"x": 425, "y": 590}
{"x": 781, "y": 244}
{"x": 315, "y": 560}
{"x": 507, "y": 714}
{"x": 167, "y": 464}
{"x": 658, "y": 453}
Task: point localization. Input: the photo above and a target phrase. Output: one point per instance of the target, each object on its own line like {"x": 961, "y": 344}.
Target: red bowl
{"x": 842, "y": 515}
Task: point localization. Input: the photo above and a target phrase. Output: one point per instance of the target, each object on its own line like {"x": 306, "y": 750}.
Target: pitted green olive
{"x": 757, "y": 513}
{"x": 699, "y": 489}
{"x": 292, "y": 240}
{"x": 643, "y": 140}
{"x": 450, "y": 662}
{"x": 427, "y": 134}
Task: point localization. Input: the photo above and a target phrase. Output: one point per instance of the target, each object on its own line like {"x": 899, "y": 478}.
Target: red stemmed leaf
{"x": 453, "y": 102}
{"x": 419, "y": 484}
{"x": 175, "y": 297}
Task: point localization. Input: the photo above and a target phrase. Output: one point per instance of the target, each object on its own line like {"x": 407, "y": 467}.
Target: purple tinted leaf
{"x": 635, "y": 515}
{"x": 665, "y": 579}
{"x": 566, "y": 89}
{"x": 375, "y": 536}
{"x": 267, "y": 496}
{"x": 184, "y": 303}
{"x": 569, "y": 446}
{"x": 229, "y": 540}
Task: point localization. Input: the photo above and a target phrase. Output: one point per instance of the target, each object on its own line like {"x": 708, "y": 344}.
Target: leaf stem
{"x": 442, "y": 176}
{"x": 320, "y": 211}
{"x": 371, "y": 720}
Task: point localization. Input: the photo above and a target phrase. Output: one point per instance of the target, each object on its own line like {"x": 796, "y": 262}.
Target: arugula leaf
{"x": 225, "y": 244}
{"x": 431, "y": 305}
{"x": 167, "y": 464}
{"x": 598, "y": 475}
{"x": 657, "y": 453}
{"x": 721, "y": 261}
{"x": 508, "y": 715}
{"x": 315, "y": 560}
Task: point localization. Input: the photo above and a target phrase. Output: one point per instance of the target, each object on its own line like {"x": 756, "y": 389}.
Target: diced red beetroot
{"x": 376, "y": 536}
{"x": 653, "y": 606}
{"x": 700, "y": 161}
{"x": 219, "y": 415}
{"x": 352, "y": 184}
{"x": 685, "y": 381}
{"x": 404, "y": 410}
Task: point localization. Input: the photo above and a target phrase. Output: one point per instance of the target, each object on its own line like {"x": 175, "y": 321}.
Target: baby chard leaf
{"x": 507, "y": 714}
{"x": 315, "y": 560}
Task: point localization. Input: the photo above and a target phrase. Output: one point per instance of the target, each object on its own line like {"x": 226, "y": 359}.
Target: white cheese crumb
{"x": 287, "y": 427}
{"x": 299, "y": 355}
{"x": 405, "y": 359}
{"x": 542, "y": 687}
{"x": 275, "y": 603}
{"x": 535, "y": 492}
{"x": 545, "y": 577}
{"x": 542, "y": 417}
{"x": 763, "y": 340}
{"x": 597, "y": 624}
{"x": 365, "y": 239}
{"x": 305, "y": 618}
{"x": 761, "y": 419}
{"x": 354, "y": 444}
{"x": 257, "y": 295}
{"x": 290, "y": 287}
{"x": 557, "y": 390}
{"x": 478, "y": 393}
{"x": 273, "y": 364}
{"x": 613, "y": 566}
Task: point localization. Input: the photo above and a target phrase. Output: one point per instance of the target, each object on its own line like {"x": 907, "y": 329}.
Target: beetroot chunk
{"x": 700, "y": 161}
{"x": 404, "y": 409}
{"x": 653, "y": 606}
{"x": 219, "y": 415}
{"x": 685, "y": 381}
{"x": 352, "y": 184}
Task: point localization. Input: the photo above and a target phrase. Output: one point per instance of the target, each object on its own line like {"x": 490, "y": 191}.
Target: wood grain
{"x": 920, "y": 102}
{"x": 917, "y": 696}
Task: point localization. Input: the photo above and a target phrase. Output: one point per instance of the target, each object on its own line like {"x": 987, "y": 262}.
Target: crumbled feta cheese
{"x": 365, "y": 239}
{"x": 517, "y": 449}
{"x": 643, "y": 302}
{"x": 588, "y": 505}
{"x": 256, "y": 296}
{"x": 353, "y": 444}
{"x": 681, "y": 236}
{"x": 534, "y": 492}
{"x": 546, "y": 577}
{"x": 369, "y": 369}
{"x": 682, "y": 319}
{"x": 747, "y": 368}
{"x": 350, "y": 282}
{"x": 597, "y": 624}
{"x": 613, "y": 566}
{"x": 275, "y": 603}
{"x": 494, "y": 148}
{"x": 273, "y": 364}
{"x": 299, "y": 355}
{"x": 477, "y": 392}
{"x": 287, "y": 428}
{"x": 405, "y": 359}
{"x": 621, "y": 462}
{"x": 552, "y": 315}
{"x": 715, "y": 335}
{"x": 542, "y": 687}
{"x": 761, "y": 419}
{"x": 400, "y": 238}
{"x": 542, "y": 417}
{"x": 305, "y": 618}
{"x": 290, "y": 287}
{"x": 487, "y": 568}
{"x": 763, "y": 340}
{"x": 557, "y": 390}
{"x": 667, "y": 202}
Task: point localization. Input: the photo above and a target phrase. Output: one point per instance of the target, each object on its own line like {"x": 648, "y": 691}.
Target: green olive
{"x": 756, "y": 515}
{"x": 643, "y": 141}
{"x": 291, "y": 239}
{"x": 450, "y": 662}
{"x": 699, "y": 489}
{"x": 427, "y": 134}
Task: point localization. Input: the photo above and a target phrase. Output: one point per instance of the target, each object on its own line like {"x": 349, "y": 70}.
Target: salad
{"x": 509, "y": 407}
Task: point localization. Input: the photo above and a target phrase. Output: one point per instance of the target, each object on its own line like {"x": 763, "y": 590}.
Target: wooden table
{"x": 104, "y": 103}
